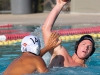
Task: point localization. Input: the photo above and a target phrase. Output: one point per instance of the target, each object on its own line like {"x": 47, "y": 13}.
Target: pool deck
{"x": 39, "y": 18}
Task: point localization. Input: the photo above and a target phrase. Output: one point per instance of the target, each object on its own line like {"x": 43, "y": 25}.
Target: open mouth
{"x": 84, "y": 51}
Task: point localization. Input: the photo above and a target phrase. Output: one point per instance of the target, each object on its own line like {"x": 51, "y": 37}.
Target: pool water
{"x": 9, "y": 53}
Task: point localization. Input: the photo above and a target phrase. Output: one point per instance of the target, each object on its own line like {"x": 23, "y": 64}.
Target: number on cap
{"x": 34, "y": 41}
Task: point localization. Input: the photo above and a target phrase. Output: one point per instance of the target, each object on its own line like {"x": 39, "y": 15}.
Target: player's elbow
{"x": 43, "y": 28}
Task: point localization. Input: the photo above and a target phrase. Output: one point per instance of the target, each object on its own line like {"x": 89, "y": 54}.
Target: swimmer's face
{"x": 84, "y": 49}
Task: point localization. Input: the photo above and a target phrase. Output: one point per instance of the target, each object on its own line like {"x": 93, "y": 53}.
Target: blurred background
{"x": 28, "y": 6}
{"x": 39, "y": 6}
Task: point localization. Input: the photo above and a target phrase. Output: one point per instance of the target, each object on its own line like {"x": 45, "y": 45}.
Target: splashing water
{"x": 38, "y": 33}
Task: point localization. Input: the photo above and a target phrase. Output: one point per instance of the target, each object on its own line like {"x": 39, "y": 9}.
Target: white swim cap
{"x": 31, "y": 44}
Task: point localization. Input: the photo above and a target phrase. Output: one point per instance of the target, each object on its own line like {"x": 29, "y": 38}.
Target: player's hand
{"x": 53, "y": 40}
{"x": 62, "y": 2}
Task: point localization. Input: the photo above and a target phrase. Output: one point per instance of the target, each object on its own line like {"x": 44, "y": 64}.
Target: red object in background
{"x": 16, "y": 36}
{"x": 78, "y": 31}
{"x": 8, "y": 31}
{"x": 6, "y": 26}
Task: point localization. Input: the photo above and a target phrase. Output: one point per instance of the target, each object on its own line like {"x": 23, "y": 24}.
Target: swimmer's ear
{"x": 76, "y": 45}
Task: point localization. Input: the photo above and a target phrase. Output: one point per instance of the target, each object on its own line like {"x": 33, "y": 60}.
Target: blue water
{"x": 9, "y": 53}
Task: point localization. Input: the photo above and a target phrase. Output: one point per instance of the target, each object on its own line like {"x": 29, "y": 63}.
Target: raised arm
{"x": 59, "y": 51}
{"x": 48, "y": 24}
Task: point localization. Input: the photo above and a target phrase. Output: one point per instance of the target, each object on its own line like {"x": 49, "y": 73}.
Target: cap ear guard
{"x": 76, "y": 46}
{"x": 23, "y": 49}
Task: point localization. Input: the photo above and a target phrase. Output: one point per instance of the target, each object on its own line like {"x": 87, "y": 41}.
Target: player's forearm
{"x": 48, "y": 24}
{"x": 43, "y": 51}
{"x": 52, "y": 17}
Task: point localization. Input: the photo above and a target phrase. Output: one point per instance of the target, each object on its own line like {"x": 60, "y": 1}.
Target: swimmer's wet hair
{"x": 85, "y": 37}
